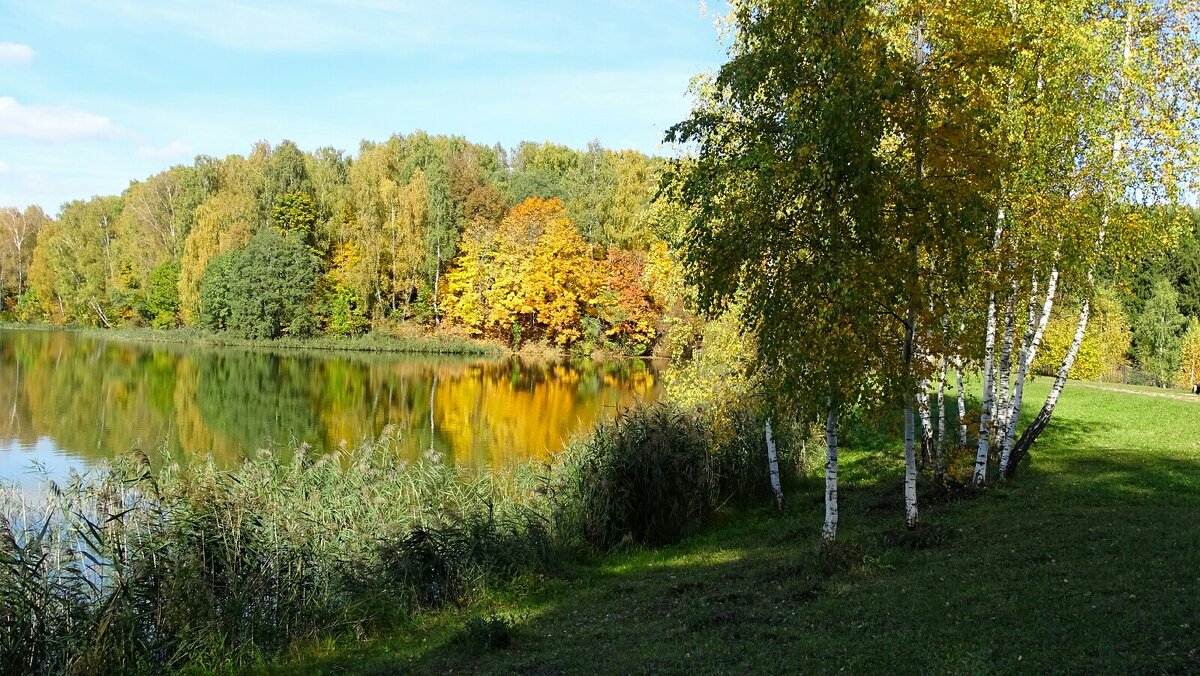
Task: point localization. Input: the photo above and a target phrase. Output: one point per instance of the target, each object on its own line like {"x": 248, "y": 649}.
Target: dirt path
{"x": 1117, "y": 388}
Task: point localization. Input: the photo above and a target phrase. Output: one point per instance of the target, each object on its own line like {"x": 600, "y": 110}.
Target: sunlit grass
{"x": 1087, "y": 562}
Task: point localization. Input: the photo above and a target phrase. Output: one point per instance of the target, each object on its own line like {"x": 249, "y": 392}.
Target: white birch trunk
{"x": 1039, "y": 423}
{"x": 1029, "y": 353}
{"x": 910, "y": 466}
{"x": 923, "y": 410}
{"x": 829, "y": 530}
{"x": 773, "y": 466}
{"x": 962, "y": 403}
{"x": 981, "y": 453}
{"x": 1000, "y": 414}
{"x": 1021, "y": 448}
{"x": 941, "y": 404}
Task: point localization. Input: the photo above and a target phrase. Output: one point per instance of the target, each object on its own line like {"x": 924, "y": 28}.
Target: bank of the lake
{"x": 1085, "y": 563}
{"x": 378, "y": 341}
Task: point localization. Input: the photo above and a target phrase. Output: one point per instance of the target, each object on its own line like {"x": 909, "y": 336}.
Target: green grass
{"x": 1088, "y": 562}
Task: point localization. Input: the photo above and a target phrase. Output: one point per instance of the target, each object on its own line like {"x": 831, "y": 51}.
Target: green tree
{"x": 162, "y": 295}
{"x": 262, "y": 291}
{"x": 295, "y": 215}
{"x": 18, "y": 237}
{"x": 73, "y": 264}
{"x": 1157, "y": 333}
{"x": 285, "y": 171}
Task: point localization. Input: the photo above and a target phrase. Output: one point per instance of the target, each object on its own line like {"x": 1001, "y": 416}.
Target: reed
{"x": 128, "y": 570}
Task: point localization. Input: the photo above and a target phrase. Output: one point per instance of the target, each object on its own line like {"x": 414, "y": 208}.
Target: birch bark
{"x": 985, "y": 415}
{"x": 773, "y": 466}
{"x": 829, "y": 530}
{"x": 962, "y": 403}
{"x": 1021, "y": 448}
{"x": 939, "y": 461}
{"x": 1028, "y": 354}
{"x": 1000, "y": 414}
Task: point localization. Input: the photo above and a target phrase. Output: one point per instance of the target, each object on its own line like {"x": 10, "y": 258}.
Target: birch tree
{"x": 19, "y": 230}
{"x": 1139, "y": 147}
{"x": 788, "y": 190}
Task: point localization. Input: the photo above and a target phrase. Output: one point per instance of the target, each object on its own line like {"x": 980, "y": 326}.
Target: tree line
{"x": 538, "y": 242}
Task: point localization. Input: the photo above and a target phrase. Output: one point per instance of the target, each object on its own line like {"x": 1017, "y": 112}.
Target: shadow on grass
{"x": 1091, "y": 569}
{"x": 1088, "y": 562}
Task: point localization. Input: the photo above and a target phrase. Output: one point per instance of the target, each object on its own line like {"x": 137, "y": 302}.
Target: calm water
{"x": 70, "y": 401}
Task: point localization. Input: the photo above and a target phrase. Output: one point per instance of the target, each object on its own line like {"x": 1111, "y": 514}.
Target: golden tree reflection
{"x": 92, "y": 399}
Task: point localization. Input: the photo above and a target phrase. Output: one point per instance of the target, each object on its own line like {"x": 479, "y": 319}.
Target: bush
{"x": 645, "y": 478}
{"x": 261, "y": 291}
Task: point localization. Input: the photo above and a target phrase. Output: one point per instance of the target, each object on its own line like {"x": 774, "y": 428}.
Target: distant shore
{"x": 369, "y": 342}
{"x": 374, "y": 341}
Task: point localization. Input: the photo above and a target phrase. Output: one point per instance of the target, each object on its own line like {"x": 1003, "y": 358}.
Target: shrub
{"x": 646, "y": 478}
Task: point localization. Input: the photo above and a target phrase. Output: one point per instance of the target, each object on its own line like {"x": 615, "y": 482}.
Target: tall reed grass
{"x": 128, "y": 570}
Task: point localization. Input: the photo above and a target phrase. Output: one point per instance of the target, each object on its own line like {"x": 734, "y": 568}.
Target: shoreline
{"x": 379, "y": 342}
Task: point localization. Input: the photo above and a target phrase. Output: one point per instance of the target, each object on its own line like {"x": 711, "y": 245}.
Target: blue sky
{"x": 94, "y": 93}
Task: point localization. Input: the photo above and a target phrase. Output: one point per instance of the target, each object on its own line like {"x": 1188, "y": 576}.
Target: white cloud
{"x": 12, "y": 52}
{"x": 51, "y": 123}
{"x": 172, "y": 150}
{"x": 4, "y": 167}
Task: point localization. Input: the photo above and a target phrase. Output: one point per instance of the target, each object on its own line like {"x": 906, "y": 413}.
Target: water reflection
{"x": 64, "y": 397}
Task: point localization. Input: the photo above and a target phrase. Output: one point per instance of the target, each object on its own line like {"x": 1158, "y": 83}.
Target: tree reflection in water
{"x": 66, "y": 395}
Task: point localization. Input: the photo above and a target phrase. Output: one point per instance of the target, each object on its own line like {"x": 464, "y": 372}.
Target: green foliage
{"x": 162, "y": 297}
{"x": 645, "y": 478}
{"x": 28, "y": 307}
{"x": 262, "y": 291}
{"x": 1156, "y": 333}
{"x": 486, "y": 633}
{"x": 284, "y": 172}
{"x": 345, "y": 312}
{"x": 129, "y": 570}
{"x": 216, "y": 291}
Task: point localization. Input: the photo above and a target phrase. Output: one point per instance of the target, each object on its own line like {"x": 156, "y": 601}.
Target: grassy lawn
{"x": 1089, "y": 562}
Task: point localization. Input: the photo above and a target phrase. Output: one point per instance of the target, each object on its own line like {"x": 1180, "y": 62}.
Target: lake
{"x": 69, "y": 400}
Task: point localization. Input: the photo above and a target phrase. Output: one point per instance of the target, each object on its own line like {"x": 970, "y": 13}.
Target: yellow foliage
{"x": 533, "y": 273}
{"x": 224, "y": 222}
{"x": 1104, "y": 344}
{"x": 715, "y": 381}
{"x": 1189, "y": 371}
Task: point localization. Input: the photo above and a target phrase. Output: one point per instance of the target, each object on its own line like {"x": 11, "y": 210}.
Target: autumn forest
{"x": 543, "y": 243}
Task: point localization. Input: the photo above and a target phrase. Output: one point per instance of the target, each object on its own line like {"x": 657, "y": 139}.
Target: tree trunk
{"x": 962, "y": 404}
{"x": 829, "y": 530}
{"x": 1000, "y": 414}
{"x": 773, "y": 466}
{"x": 939, "y": 463}
{"x": 1021, "y": 449}
{"x": 981, "y": 453}
{"x": 437, "y": 276}
{"x": 910, "y": 449}
{"x": 1031, "y": 433}
{"x": 1033, "y": 341}
{"x": 923, "y": 410}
